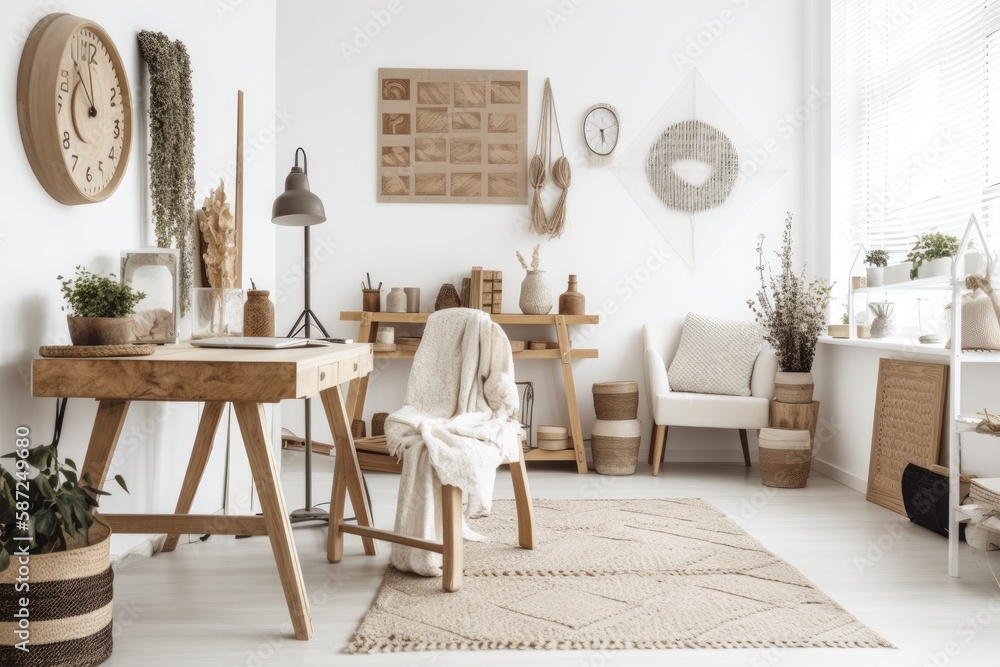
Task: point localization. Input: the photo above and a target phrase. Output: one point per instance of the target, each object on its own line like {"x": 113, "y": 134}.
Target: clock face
{"x": 600, "y": 129}
{"x": 74, "y": 108}
{"x": 90, "y": 113}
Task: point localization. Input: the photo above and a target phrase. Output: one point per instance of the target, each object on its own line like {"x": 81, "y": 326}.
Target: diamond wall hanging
{"x": 695, "y": 170}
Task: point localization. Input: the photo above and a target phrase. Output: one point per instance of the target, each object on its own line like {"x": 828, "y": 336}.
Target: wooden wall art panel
{"x": 909, "y": 415}
{"x": 452, "y": 136}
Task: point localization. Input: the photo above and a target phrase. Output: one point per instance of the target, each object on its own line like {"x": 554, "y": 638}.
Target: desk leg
{"x": 103, "y": 439}
{"x": 210, "y": 416}
{"x": 347, "y": 474}
{"x": 253, "y": 425}
{"x": 357, "y": 390}
{"x": 566, "y": 360}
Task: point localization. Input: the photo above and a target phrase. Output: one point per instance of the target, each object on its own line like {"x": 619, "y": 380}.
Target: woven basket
{"x": 70, "y": 606}
{"x": 986, "y": 491}
{"x": 378, "y": 423}
{"x": 616, "y": 400}
{"x": 615, "y": 445}
{"x": 785, "y": 457}
{"x": 793, "y": 387}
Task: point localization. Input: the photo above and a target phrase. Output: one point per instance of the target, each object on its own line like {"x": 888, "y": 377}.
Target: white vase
{"x": 536, "y": 294}
{"x": 896, "y": 273}
{"x": 972, "y": 262}
{"x": 875, "y": 276}
{"x": 935, "y": 268}
{"x": 395, "y": 302}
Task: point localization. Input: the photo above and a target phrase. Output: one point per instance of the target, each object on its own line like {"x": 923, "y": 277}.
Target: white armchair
{"x": 674, "y": 408}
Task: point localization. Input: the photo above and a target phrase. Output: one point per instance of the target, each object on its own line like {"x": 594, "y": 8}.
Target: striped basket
{"x": 69, "y": 606}
{"x": 616, "y": 400}
{"x": 986, "y": 492}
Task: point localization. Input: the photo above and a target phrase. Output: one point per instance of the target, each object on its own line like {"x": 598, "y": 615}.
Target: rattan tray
{"x": 96, "y": 350}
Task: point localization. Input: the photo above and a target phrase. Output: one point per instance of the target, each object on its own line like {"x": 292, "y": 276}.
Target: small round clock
{"x": 601, "y": 128}
{"x": 74, "y": 108}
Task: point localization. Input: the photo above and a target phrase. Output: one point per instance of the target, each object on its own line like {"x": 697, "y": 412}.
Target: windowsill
{"x": 892, "y": 344}
{"x": 911, "y": 346}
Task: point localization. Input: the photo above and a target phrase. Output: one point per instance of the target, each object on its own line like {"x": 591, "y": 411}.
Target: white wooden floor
{"x": 220, "y": 603}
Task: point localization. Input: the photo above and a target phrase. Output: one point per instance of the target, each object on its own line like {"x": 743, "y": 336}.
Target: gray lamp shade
{"x": 297, "y": 206}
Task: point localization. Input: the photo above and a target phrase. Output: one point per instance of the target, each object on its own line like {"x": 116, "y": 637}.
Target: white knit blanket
{"x": 459, "y": 422}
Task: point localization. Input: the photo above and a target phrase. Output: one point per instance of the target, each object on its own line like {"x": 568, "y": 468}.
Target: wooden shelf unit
{"x": 368, "y": 329}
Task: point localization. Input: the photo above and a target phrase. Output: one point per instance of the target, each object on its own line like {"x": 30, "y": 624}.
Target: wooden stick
{"x": 239, "y": 189}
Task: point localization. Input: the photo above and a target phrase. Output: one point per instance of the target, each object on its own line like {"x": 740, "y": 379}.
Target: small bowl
{"x": 538, "y": 345}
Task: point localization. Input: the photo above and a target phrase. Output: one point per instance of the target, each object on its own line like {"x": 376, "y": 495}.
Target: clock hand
{"x": 90, "y": 97}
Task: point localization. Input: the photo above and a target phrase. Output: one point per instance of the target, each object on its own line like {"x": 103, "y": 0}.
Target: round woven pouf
{"x": 785, "y": 457}
{"x": 615, "y": 445}
{"x": 616, "y": 400}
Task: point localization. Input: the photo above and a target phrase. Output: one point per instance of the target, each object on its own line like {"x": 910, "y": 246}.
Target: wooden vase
{"x": 572, "y": 302}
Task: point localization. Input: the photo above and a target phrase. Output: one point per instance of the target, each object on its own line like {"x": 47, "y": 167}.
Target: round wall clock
{"x": 601, "y": 128}
{"x": 74, "y": 108}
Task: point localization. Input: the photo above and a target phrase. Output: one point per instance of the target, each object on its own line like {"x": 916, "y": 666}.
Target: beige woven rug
{"x": 611, "y": 574}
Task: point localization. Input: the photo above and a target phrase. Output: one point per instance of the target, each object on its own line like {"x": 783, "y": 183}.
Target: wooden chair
{"x": 347, "y": 479}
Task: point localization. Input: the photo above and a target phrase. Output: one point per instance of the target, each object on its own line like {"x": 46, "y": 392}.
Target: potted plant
{"x": 876, "y": 260}
{"x": 931, "y": 255}
{"x": 793, "y": 315}
{"x": 54, "y": 557}
{"x": 99, "y": 308}
{"x": 973, "y": 259}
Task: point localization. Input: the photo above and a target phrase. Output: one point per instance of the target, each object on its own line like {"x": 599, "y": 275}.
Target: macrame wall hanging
{"x": 698, "y": 141}
{"x": 541, "y": 164}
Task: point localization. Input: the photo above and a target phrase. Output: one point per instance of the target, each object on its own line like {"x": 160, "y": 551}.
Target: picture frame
{"x": 154, "y": 271}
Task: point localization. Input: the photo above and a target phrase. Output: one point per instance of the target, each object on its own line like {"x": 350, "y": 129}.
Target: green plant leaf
{"x": 98, "y": 492}
{"x": 121, "y": 483}
{"x": 69, "y": 463}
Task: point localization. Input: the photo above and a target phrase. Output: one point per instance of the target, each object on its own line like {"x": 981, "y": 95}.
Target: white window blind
{"x": 917, "y": 119}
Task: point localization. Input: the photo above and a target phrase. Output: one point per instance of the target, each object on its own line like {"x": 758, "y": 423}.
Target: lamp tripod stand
{"x": 298, "y": 207}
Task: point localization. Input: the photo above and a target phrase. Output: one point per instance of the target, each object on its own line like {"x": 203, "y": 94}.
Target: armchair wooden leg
{"x": 746, "y": 446}
{"x": 522, "y": 501}
{"x": 652, "y": 439}
{"x": 451, "y": 510}
{"x": 659, "y": 442}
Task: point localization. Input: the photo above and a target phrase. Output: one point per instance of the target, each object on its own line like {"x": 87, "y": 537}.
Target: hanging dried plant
{"x": 171, "y": 153}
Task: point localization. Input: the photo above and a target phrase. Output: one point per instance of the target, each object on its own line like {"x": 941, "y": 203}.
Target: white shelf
{"x": 956, "y": 357}
{"x": 942, "y": 283}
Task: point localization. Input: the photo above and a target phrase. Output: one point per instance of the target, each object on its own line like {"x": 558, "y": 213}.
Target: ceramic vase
{"x": 395, "y": 302}
{"x": 882, "y": 326}
{"x": 536, "y": 294}
{"x": 572, "y": 302}
{"x": 875, "y": 275}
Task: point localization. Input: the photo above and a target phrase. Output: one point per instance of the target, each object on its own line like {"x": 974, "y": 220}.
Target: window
{"x": 916, "y": 118}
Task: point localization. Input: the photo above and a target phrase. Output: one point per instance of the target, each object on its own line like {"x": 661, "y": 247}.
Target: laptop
{"x": 259, "y": 342}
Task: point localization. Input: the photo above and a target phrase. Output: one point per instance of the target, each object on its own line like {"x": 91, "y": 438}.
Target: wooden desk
{"x": 245, "y": 378}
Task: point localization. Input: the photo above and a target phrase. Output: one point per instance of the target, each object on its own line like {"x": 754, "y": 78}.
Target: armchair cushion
{"x": 715, "y": 356}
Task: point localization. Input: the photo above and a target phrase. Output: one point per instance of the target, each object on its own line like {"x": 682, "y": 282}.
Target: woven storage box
{"x": 616, "y": 400}
{"x": 615, "y": 445}
{"x": 378, "y": 423}
{"x": 70, "y": 606}
{"x": 785, "y": 457}
{"x": 986, "y": 492}
{"x": 552, "y": 437}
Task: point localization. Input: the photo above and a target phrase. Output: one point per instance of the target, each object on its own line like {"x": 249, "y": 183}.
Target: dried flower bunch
{"x": 989, "y": 424}
{"x": 218, "y": 229}
{"x": 534, "y": 259}
{"x": 794, "y": 314}
{"x": 171, "y": 152}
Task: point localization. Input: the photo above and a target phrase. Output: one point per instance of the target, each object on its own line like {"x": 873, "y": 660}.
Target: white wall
{"x": 617, "y": 52}
{"x": 40, "y": 238}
